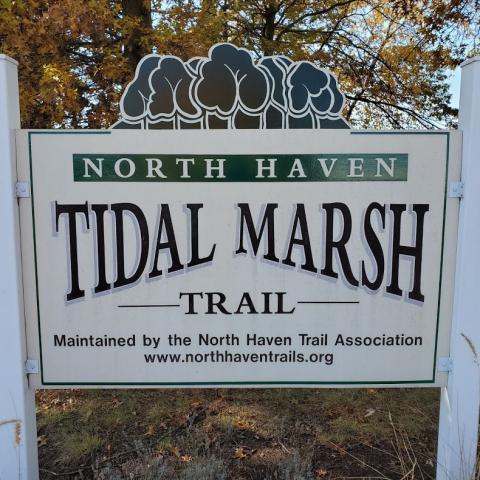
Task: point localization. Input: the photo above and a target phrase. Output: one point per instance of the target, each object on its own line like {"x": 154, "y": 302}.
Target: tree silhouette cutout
{"x": 228, "y": 89}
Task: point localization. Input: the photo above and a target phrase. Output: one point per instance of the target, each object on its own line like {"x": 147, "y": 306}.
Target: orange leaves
{"x": 242, "y": 424}
{"x": 68, "y": 55}
{"x": 175, "y": 451}
{"x": 150, "y": 431}
{"x": 391, "y": 58}
{"x": 239, "y": 453}
{"x": 42, "y": 441}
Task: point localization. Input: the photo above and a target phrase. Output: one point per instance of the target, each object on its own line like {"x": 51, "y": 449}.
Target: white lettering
{"x": 323, "y": 163}
{"x": 118, "y": 165}
{"x": 154, "y": 165}
{"x": 185, "y": 163}
{"x": 270, "y": 168}
{"x": 98, "y": 169}
{"x": 389, "y": 169}
{"x": 211, "y": 168}
{"x": 356, "y": 167}
{"x": 297, "y": 167}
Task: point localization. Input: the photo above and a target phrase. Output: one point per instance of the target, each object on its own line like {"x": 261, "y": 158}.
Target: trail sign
{"x": 239, "y": 257}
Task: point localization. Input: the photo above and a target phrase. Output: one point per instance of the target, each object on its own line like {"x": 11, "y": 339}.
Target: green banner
{"x": 356, "y": 167}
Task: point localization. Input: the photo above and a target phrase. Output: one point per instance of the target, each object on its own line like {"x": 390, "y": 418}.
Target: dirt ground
{"x": 278, "y": 434}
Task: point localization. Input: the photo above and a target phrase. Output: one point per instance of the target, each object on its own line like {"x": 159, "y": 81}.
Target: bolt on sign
{"x": 231, "y": 229}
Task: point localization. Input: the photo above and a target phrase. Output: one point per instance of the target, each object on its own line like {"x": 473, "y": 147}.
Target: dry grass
{"x": 238, "y": 434}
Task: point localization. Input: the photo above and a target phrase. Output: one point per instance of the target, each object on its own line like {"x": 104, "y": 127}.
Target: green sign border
{"x": 266, "y": 383}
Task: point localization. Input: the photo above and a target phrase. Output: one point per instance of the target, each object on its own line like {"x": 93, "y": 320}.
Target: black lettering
{"x": 280, "y": 305}
{"x": 102, "y": 284}
{"x": 266, "y": 302}
{"x": 415, "y": 251}
{"x": 196, "y": 260}
{"x": 375, "y": 247}
{"x": 339, "y": 245}
{"x": 191, "y": 301}
{"x": 170, "y": 243}
{"x": 268, "y": 222}
{"x": 71, "y": 211}
{"x": 59, "y": 340}
{"x": 216, "y": 303}
{"x": 119, "y": 209}
{"x": 303, "y": 241}
{"x": 246, "y": 301}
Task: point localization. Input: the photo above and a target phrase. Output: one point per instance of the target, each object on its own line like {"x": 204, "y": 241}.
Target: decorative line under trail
{"x": 230, "y": 90}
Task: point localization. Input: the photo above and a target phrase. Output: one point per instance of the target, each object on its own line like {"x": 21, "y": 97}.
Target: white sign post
{"x": 18, "y": 434}
{"x": 460, "y": 401}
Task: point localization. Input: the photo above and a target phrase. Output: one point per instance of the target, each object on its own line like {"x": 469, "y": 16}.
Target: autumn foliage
{"x": 392, "y": 57}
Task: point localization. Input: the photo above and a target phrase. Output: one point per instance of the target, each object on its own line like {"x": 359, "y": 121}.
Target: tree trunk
{"x": 224, "y": 8}
{"x": 140, "y": 11}
{"x": 268, "y": 30}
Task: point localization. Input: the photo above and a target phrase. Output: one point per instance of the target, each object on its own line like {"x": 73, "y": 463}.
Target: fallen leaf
{"x": 241, "y": 424}
{"x": 321, "y": 472}
{"x": 175, "y": 451}
{"x": 239, "y": 453}
{"x": 42, "y": 440}
{"x": 150, "y": 431}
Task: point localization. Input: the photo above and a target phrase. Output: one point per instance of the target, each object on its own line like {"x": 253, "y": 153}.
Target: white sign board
{"x": 198, "y": 258}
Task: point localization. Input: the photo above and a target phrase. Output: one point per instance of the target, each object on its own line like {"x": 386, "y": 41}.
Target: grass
{"x": 77, "y": 445}
{"x": 276, "y": 434}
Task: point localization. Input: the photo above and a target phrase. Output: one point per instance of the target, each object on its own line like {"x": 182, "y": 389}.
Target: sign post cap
{"x": 6, "y": 58}
{"x": 468, "y": 61}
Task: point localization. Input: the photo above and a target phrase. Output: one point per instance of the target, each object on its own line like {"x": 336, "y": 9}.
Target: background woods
{"x": 392, "y": 57}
